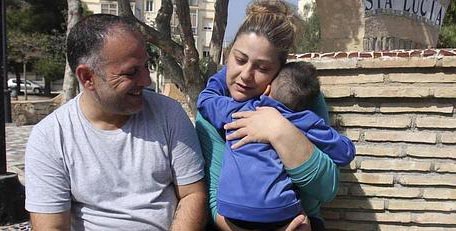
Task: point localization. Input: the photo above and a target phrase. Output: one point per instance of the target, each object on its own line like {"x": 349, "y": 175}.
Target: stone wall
{"x": 341, "y": 25}
{"x": 26, "y": 112}
{"x": 378, "y": 24}
{"x": 398, "y": 107}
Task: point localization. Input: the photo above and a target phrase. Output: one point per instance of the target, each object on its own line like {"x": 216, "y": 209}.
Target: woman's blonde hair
{"x": 277, "y": 21}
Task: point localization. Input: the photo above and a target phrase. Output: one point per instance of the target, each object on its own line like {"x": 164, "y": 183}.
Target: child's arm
{"x": 338, "y": 147}
{"x": 214, "y": 105}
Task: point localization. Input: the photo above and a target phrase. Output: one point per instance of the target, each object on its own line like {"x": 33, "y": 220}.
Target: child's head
{"x": 296, "y": 85}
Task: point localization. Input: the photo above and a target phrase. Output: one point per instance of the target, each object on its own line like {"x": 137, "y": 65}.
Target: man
{"x": 115, "y": 157}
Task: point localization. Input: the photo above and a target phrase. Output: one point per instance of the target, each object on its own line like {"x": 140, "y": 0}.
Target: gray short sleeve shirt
{"x": 112, "y": 180}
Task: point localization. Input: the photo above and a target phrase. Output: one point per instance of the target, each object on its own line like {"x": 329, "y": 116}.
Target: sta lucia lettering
{"x": 431, "y": 10}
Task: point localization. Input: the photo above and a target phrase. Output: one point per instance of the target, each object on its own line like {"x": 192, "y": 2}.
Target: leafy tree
{"x": 35, "y": 36}
{"x": 447, "y": 36}
{"x": 23, "y": 50}
{"x": 48, "y": 15}
{"x": 42, "y": 16}
{"x": 52, "y": 64}
{"x": 18, "y": 14}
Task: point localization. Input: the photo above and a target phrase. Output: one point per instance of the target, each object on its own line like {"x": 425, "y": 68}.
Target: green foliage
{"x": 47, "y": 15}
{"x": 18, "y": 16}
{"x": 36, "y": 35}
{"x": 447, "y": 36}
{"x": 35, "y": 15}
{"x": 52, "y": 63}
{"x": 85, "y": 10}
{"x": 25, "y": 46}
{"x": 310, "y": 40}
{"x": 50, "y": 69}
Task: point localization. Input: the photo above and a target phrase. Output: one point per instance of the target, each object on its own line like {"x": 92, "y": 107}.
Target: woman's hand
{"x": 255, "y": 126}
{"x": 267, "y": 125}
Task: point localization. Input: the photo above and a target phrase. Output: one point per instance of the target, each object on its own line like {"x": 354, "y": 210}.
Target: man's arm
{"x": 191, "y": 213}
{"x": 48, "y": 197}
{"x": 50, "y": 221}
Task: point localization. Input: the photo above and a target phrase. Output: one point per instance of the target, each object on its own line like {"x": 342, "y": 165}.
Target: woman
{"x": 259, "y": 50}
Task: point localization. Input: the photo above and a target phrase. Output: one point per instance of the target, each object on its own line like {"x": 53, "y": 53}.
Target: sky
{"x": 236, "y": 13}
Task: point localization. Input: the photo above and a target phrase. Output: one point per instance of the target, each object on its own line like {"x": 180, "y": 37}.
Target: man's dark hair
{"x": 87, "y": 37}
{"x": 296, "y": 85}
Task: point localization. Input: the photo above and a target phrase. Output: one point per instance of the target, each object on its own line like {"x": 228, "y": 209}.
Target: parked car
{"x": 32, "y": 87}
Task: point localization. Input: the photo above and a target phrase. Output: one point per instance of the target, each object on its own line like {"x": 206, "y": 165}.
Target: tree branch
{"x": 218, "y": 32}
{"x": 183, "y": 14}
{"x": 171, "y": 66}
{"x": 151, "y": 35}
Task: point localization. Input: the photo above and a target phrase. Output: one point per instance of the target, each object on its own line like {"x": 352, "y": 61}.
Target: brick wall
{"x": 398, "y": 107}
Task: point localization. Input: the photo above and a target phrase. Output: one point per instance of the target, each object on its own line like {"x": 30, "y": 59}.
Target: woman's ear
{"x": 85, "y": 76}
{"x": 268, "y": 90}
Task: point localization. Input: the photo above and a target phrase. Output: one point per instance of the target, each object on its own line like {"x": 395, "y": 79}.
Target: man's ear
{"x": 85, "y": 76}
{"x": 268, "y": 90}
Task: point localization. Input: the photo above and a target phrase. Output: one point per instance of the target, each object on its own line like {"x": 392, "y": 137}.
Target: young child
{"x": 264, "y": 197}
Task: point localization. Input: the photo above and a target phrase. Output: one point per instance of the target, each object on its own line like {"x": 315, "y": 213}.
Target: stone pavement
{"x": 16, "y": 139}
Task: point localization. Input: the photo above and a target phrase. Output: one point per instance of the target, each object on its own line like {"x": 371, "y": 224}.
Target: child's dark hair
{"x": 296, "y": 85}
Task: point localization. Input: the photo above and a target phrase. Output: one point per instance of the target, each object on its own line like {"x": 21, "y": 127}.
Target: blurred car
{"x": 32, "y": 87}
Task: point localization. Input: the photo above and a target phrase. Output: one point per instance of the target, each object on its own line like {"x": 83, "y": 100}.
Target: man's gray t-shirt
{"x": 112, "y": 180}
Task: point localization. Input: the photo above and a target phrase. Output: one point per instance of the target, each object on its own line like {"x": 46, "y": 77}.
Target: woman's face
{"x": 252, "y": 65}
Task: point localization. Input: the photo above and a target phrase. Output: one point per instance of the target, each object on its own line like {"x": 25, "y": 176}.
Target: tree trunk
{"x": 193, "y": 80}
{"x": 47, "y": 87}
{"x": 218, "y": 32}
{"x": 17, "y": 71}
{"x": 171, "y": 67}
{"x": 70, "y": 82}
{"x": 24, "y": 69}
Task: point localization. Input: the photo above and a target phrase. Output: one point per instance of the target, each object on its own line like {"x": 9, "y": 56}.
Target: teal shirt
{"x": 316, "y": 179}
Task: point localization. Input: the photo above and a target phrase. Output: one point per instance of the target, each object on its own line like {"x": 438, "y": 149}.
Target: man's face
{"x": 124, "y": 74}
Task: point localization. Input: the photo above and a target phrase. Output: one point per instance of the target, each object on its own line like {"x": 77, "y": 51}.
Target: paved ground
{"x": 16, "y": 138}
